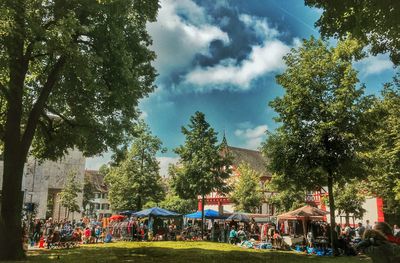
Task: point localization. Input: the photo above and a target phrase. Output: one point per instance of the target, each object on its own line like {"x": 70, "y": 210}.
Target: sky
{"x": 221, "y": 57}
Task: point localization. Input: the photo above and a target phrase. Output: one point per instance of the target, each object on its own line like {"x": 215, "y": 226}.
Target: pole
{"x": 202, "y": 216}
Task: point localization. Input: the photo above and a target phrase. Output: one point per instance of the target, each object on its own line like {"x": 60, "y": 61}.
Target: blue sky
{"x": 221, "y": 58}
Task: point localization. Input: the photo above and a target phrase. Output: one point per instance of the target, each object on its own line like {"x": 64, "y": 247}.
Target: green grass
{"x": 188, "y": 252}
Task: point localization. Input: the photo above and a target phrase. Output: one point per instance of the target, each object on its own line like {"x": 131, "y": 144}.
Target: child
{"x": 87, "y": 235}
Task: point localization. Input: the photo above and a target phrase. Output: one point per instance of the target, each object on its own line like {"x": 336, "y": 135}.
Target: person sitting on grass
{"x": 376, "y": 245}
{"x": 87, "y": 236}
{"x": 387, "y": 231}
{"x": 241, "y": 235}
{"x": 233, "y": 238}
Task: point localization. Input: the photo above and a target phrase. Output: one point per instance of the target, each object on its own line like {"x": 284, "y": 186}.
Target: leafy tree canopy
{"x": 202, "y": 168}
{"x": 247, "y": 194}
{"x": 136, "y": 179}
{"x": 285, "y": 196}
{"x": 384, "y": 181}
{"x": 325, "y": 122}
{"x": 69, "y": 194}
{"x": 349, "y": 198}
{"x": 71, "y": 75}
{"x": 323, "y": 115}
{"x": 373, "y": 22}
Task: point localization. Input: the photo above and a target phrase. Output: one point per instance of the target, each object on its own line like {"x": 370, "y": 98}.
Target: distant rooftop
{"x": 254, "y": 158}
{"x": 96, "y": 179}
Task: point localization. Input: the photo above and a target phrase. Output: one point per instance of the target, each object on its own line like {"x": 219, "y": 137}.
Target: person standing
{"x": 368, "y": 226}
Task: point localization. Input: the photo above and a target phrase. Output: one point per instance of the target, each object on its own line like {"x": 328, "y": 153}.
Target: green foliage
{"x": 286, "y": 196}
{"x": 202, "y": 169}
{"x": 385, "y": 179}
{"x": 87, "y": 61}
{"x": 373, "y": 22}
{"x": 323, "y": 115}
{"x": 71, "y": 75}
{"x": 325, "y": 119}
{"x": 136, "y": 179}
{"x": 349, "y": 198}
{"x": 174, "y": 203}
{"x": 88, "y": 193}
{"x": 69, "y": 193}
{"x": 247, "y": 195}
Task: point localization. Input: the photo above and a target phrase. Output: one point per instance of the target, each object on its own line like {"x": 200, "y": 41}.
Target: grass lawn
{"x": 188, "y": 252}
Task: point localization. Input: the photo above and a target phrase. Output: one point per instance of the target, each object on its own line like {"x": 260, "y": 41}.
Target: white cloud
{"x": 177, "y": 40}
{"x": 165, "y": 162}
{"x": 374, "y": 65}
{"x": 252, "y": 137}
{"x": 260, "y": 26}
{"x": 264, "y": 58}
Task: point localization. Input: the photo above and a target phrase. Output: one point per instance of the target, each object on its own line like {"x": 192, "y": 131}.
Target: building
{"x": 257, "y": 162}
{"x": 372, "y": 205}
{"x": 99, "y": 206}
{"x": 44, "y": 180}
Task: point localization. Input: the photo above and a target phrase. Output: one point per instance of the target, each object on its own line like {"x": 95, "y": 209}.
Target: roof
{"x": 308, "y": 212}
{"x": 97, "y": 180}
{"x": 254, "y": 158}
{"x": 156, "y": 212}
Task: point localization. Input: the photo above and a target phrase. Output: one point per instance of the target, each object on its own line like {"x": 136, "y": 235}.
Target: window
{"x": 105, "y": 206}
{"x": 96, "y": 206}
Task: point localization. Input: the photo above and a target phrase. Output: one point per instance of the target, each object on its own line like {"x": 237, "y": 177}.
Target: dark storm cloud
{"x": 241, "y": 38}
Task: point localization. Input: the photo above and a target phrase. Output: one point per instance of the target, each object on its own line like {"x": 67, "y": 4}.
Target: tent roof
{"x": 208, "y": 214}
{"x": 239, "y": 217}
{"x": 155, "y": 211}
{"x": 305, "y": 212}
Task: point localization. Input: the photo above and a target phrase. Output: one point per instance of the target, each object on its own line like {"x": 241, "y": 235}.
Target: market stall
{"x": 160, "y": 223}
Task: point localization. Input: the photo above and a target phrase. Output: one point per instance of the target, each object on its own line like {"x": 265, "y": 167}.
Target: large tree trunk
{"x": 332, "y": 212}
{"x": 202, "y": 216}
{"x": 11, "y": 209}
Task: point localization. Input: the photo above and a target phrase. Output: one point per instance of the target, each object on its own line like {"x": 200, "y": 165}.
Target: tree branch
{"x": 68, "y": 121}
{"x": 38, "y": 107}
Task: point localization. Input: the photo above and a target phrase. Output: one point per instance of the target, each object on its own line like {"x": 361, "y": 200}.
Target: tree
{"x": 71, "y": 75}
{"x": 247, "y": 195}
{"x": 373, "y": 22}
{"x": 324, "y": 119}
{"x": 202, "y": 169}
{"x": 136, "y": 179}
{"x": 285, "y": 196}
{"x": 349, "y": 199}
{"x": 69, "y": 194}
{"x": 174, "y": 203}
{"x": 384, "y": 181}
{"x": 88, "y": 194}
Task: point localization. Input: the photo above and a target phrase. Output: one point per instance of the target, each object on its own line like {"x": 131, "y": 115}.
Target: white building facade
{"x": 44, "y": 180}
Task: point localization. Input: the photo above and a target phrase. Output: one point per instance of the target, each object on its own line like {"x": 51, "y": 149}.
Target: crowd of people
{"x": 379, "y": 241}
{"x": 51, "y": 233}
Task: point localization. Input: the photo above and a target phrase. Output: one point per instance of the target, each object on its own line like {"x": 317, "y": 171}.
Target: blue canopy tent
{"x": 208, "y": 214}
{"x": 156, "y": 212}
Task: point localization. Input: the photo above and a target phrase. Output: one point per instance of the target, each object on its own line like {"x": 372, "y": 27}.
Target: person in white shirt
{"x": 368, "y": 226}
{"x": 396, "y": 230}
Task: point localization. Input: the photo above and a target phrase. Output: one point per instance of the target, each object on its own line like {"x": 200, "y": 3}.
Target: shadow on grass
{"x": 176, "y": 255}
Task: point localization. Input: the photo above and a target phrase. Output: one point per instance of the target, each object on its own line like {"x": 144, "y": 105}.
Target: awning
{"x": 156, "y": 212}
{"x": 208, "y": 214}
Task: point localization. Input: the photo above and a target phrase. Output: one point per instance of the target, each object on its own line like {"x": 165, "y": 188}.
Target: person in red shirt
{"x": 387, "y": 230}
{"x": 87, "y": 234}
